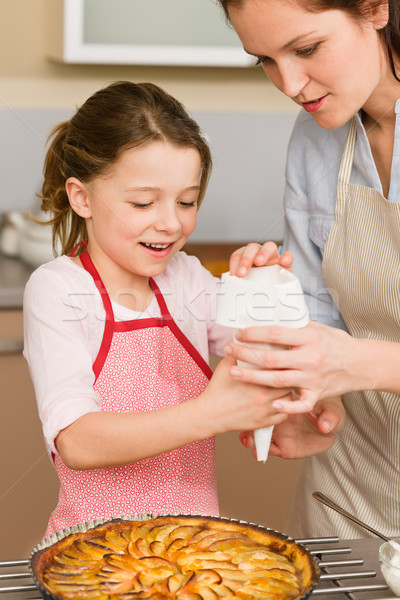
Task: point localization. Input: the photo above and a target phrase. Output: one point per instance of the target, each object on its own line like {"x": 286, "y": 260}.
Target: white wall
{"x": 247, "y": 120}
{"x": 244, "y": 198}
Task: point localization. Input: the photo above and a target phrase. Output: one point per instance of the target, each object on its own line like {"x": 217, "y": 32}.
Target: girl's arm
{"x": 106, "y": 439}
{"x": 59, "y": 307}
{"x": 63, "y": 332}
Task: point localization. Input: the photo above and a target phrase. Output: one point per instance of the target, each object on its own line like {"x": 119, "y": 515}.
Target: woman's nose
{"x": 290, "y": 79}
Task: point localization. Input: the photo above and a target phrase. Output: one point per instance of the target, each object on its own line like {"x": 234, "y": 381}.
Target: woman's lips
{"x": 314, "y": 104}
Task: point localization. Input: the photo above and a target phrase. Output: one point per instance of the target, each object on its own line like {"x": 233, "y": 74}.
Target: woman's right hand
{"x": 320, "y": 362}
{"x": 233, "y": 405}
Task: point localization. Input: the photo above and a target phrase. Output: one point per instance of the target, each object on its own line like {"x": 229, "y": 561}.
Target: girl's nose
{"x": 290, "y": 79}
{"x": 167, "y": 220}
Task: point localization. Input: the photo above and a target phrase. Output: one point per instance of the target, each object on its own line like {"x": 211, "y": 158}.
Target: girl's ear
{"x": 380, "y": 14}
{"x": 78, "y": 197}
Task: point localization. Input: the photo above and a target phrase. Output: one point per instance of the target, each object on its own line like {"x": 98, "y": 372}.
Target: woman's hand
{"x": 306, "y": 434}
{"x": 319, "y": 363}
{"x": 258, "y": 255}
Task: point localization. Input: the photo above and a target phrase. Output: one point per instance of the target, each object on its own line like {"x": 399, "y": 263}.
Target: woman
{"x": 339, "y": 61}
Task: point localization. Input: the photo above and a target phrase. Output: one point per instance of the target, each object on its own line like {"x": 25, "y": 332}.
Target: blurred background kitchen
{"x": 53, "y": 55}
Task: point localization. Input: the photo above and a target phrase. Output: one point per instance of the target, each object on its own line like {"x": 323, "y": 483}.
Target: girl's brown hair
{"x": 121, "y": 116}
{"x": 358, "y": 9}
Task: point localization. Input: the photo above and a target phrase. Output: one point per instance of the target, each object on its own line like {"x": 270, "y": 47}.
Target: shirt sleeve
{"x": 57, "y": 351}
{"x": 307, "y": 226}
{"x": 218, "y": 335}
{"x": 191, "y": 294}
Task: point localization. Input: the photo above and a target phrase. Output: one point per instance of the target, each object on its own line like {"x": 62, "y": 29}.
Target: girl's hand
{"x": 258, "y": 255}
{"x": 306, "y": 434}
{"x": 229, "y": 405}
{"x": 319, "y": 363}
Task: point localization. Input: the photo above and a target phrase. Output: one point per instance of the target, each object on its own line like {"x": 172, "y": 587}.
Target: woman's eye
{"x": 309, "y": 51}
{"x": 305, "y": 52}
{"x": 263, "y": 60}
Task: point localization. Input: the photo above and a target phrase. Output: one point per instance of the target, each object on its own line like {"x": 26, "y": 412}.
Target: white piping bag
{"x": 266, "y": 296}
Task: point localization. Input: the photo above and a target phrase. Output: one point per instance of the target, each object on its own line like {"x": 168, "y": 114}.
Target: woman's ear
{"x": 78, "y": 197}
{"x": 380, "y": 14}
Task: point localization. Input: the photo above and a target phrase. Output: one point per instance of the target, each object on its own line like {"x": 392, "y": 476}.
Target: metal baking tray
{"x": 49, "y": 541}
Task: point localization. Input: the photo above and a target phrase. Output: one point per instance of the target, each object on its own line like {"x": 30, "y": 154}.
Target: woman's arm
{"x": 321, "y": 362}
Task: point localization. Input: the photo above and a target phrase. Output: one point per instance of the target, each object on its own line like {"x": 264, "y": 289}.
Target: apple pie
{"x": 174, "y": 557}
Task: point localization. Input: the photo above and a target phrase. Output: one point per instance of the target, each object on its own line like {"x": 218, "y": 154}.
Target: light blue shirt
{"x": 312, "y": 170}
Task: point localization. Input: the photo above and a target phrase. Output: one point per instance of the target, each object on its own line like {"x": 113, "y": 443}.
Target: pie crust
{"x": 173, "y": 557}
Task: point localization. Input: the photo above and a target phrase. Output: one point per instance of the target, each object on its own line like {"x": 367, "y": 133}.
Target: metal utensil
{"x": 325, "y": 500}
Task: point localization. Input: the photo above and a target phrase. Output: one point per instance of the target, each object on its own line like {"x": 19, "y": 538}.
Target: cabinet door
{"x": 133, "y": 32}
{"x": 28, "y": 482}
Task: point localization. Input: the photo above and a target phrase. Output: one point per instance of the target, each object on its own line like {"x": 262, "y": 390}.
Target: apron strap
{"x": 90, "y": 268}
{"x": 160, "y": 300}
{"x": 80, "y": 244}
{"x": 109, "y": 323}
{"x": 348, "y": 154}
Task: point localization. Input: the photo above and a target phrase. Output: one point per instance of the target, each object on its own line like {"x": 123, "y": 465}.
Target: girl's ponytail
{"x": 68, "y": 227}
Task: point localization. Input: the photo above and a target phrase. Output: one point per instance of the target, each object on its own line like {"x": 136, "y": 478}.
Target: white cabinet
{"x": 154, "y": 32}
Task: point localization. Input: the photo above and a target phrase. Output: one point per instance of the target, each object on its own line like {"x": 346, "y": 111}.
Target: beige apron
{"x": 361, "y": 472}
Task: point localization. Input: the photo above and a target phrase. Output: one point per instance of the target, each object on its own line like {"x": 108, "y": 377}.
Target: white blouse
{"x": 64, "y": 323}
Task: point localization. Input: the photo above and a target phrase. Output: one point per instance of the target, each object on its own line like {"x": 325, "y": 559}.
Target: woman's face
{"x": 326, "y": 62}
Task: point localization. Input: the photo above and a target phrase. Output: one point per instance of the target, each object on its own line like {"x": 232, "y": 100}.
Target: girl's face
{"x": 326, "y": 62}
{"x": 141, "y": 213}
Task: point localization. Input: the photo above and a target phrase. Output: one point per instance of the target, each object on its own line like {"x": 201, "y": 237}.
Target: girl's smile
{"x": 158, "y": 250}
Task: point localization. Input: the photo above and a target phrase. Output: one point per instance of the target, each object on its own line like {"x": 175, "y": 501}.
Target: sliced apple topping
{"x": 173, "y": 558}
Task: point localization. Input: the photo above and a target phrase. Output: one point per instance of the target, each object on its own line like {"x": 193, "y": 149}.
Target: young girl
{"x": 118, "y": 328}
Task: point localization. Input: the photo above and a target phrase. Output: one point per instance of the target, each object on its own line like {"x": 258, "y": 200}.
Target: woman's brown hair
{"x": 121, "y": 116}
{"x": 358, "y": 9}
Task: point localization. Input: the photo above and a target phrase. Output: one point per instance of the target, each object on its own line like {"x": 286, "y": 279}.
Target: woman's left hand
{"x": 258, "y": 255}
{"x": 319, "y": 363}
{"x": 304, "y": 435}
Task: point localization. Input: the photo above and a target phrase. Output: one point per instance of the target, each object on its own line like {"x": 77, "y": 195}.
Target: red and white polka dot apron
{"x": 142, "y": 365}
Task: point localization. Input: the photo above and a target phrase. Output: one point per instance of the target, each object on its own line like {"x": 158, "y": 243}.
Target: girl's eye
{"x": 188, "y": 204}
{"x": 140, "y": 204}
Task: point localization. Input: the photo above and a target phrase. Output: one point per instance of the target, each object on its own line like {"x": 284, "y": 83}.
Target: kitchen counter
{"x": 16, "y": 584}
{"x": 13, "y": 277}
